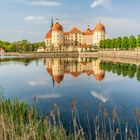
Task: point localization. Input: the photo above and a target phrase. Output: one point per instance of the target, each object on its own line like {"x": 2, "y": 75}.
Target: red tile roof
{"x": 48, "y": 35}
{"x": 57, "y": 27}
{"x": 75, "y": 30}
{"x": 66, "y": 33}
{"x": 100, "y": 28}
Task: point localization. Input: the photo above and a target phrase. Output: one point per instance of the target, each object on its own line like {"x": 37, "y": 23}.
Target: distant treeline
{"x": 129, "y": 70}
{"x": 121, "y": 43}
{"x": 20, "y": 46}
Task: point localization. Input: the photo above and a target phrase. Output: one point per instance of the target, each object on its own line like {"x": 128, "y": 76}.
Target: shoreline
{"x": 41, "y": 55}
{"x": 130, "y": 57}
{"x": 101, "y": 54}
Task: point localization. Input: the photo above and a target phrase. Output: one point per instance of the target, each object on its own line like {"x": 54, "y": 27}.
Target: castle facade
{"x": 57, "y": 40}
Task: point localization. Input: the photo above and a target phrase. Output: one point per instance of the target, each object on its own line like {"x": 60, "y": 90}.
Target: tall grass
{"x": 19, "y": 121}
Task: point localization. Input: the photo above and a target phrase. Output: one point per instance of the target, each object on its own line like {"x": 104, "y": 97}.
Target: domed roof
{"x": 57, "y": 27}
{"x": 49, "y": 70}
{"x": 75, "y": 74}
{"x": 58, "y": 78}
{"x": 48, "y": 35}
{"x": 100, "y": 27}
{"x": 99, "y": 77}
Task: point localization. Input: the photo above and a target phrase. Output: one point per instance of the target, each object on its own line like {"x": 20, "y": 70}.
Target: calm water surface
{"x": 59, "y": 80}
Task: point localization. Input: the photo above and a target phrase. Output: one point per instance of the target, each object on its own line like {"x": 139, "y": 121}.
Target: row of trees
{"x": 20, "y": 46}
{"x": 124, "y": 43}
{"x": 129, "y": 70}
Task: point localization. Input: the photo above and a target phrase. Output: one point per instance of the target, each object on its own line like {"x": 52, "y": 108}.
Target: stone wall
{"x": 120, "y": 54}
{"x": 89, "y": 54}
{"x": 113, "y": 54}
{"x": 41, "y": 55}
{"x": 131, "y": 57}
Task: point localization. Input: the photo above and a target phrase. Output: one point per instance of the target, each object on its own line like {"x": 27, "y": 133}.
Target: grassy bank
{"x": 19, "y": 121}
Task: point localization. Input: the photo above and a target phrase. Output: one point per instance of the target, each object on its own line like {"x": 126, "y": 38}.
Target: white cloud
{"x": 36, "y": 19}
{"x": 104, "y": 3}
{"x": 36, "y": 83}
{"x": 45, "y": 3}
{"x": 49, "y": 96}
{"x": 99, "y": 96}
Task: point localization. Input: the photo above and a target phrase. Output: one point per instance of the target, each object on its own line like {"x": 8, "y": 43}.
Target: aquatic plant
{"x": 20, "y": 121}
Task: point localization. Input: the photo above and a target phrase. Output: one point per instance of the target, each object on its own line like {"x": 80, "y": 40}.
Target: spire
{"x": 51, "y": 23}
{"x": 53, "y": 83}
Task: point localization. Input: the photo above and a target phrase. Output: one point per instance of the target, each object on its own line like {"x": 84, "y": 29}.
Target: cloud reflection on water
{"x": 99, "y": 96}
{"x": 49, "y": 96}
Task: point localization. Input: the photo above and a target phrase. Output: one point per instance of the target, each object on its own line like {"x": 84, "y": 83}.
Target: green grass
{"x": 19, "y": 121}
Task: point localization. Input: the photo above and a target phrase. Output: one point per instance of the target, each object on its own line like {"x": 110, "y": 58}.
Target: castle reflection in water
{"x": 58, "y": 67}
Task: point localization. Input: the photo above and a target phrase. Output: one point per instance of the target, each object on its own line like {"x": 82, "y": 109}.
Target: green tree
{"x": 132, "y": 42}
{"x": 125, "y": 43}
{"x": 113, "y": 43}
{"x": 101, "y": 44}
{"x": 108, "y": 43}
{"x": 138, "y": 41}
{"x": 118, "y": 42}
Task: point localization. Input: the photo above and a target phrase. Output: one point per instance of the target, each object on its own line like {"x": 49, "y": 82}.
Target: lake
{"x": 91, "y": 82}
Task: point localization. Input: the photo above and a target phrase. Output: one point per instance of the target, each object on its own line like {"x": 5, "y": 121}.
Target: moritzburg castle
{"x": 57, "y": 40}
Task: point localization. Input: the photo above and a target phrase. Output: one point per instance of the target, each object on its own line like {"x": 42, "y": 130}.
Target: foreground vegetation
{"x": 121, "y": 43}
{"x": 19, "y": 121}
{"x": 21, "y": 46}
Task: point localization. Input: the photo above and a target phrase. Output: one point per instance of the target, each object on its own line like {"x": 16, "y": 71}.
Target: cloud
{"x": 99, "y": 96}
{"x": 103, "y": 3}
{"x": 36, "y": 83}
{"x": 45, "y": 3}
{"x": 36, "y": 19}
{"x": 49, "y": 96}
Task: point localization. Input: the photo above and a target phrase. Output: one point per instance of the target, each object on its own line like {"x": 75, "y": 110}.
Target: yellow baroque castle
{"x": 57, "y": 40}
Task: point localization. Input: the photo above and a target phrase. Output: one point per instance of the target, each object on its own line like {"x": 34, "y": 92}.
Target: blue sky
{"x": 30, "y": 19}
